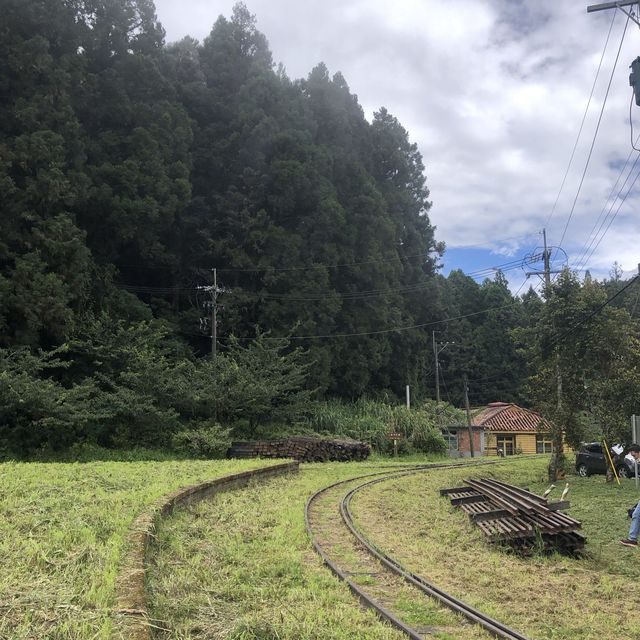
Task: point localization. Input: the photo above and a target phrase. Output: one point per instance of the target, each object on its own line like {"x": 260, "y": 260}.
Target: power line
{"x": 139, "y": 265}
{"x": 604, "y": 233}
{"x": 590, "y": 240}
{"x": 584, "y": 117}
{"x": 348, "y": 295}
{"x": 392, "y": 330}
{"x": 358, "y": 295}
{"x": 595, "y": 135}
{"x": 593, "y": 313}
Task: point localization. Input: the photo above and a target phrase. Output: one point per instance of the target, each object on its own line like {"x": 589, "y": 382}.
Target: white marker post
{"x": 634, "y": 438}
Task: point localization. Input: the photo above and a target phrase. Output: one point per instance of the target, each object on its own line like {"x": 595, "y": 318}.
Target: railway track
{"x": 376, "y": 578}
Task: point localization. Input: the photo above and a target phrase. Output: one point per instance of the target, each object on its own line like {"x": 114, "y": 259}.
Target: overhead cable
{"x": 604, "y": 233}
{"x": 593, "y": 313}
{"x": 595, "y": 135}
{"x": 584, "y": 117}
{"x": 592, "y": 236}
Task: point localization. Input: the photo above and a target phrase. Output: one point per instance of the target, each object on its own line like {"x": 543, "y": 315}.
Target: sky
{"x": 494, "y": 93}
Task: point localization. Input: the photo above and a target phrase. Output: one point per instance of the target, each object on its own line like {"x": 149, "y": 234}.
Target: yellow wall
{"x": 524, "y": 441}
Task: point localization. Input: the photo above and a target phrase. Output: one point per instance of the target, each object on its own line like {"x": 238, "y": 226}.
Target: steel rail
{"x": 472, "y": 614}
{"x": 367, "y": 600}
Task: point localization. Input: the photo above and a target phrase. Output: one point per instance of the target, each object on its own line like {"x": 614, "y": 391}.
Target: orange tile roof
{"x": 504, "y": 416}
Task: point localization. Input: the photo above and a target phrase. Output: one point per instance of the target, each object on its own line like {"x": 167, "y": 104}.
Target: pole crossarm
{"x": 609, "y": 5}
{"x": 615, "y": 5}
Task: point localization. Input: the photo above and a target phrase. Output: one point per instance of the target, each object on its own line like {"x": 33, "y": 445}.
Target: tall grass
{"x": 372, "y": 422}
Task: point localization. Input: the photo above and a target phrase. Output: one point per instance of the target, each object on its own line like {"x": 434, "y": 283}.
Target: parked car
{"x": 590, "y": 458}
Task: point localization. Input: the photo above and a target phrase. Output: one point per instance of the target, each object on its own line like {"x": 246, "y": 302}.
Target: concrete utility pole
{"x": 435, "y": 355}
{"x": 214, "y": 291}
{"x": 466, "y": 404}
{"x": 547, "y": 262}
{"x": 546, "y": 258}
{"x": 437, "y": 349}
{"x": 547, "y": 284}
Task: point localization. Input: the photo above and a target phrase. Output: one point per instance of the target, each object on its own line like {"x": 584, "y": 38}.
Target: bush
{"x": 208, "y": 440}
{"x": 372, "y": 422}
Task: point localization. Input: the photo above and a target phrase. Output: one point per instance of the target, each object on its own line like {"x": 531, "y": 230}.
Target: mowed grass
{"x": 541, "y": 596}
{"x": 62, "y": 531}
{"x": 240, "y": 566}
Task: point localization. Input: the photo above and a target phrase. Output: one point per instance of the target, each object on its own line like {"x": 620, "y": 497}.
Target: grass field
{"x": 62, "y": 529}
{"x": 541, "y": 596}
{"x": 240, "y": 566}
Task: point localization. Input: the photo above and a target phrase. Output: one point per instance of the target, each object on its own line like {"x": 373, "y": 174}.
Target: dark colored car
{"x": 590, "y": 458}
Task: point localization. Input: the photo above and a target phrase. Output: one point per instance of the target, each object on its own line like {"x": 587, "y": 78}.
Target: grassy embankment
{"x": 240, "y": 566}
{"x": 62, "y": 531}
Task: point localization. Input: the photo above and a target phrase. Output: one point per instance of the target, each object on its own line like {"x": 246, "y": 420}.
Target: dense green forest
{"x": 132, "y": 168}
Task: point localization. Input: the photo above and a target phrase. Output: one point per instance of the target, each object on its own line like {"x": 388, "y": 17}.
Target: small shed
{"x": 513, "y": 429}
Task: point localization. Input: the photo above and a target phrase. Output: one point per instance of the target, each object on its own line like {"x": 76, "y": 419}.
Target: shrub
{"x": 372, "y": 422}
{"x": 208, "y": 440}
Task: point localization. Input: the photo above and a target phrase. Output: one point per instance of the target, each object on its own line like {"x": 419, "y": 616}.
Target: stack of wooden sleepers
{"x": 303, "y": 448}
{"x": 515, "y": 516}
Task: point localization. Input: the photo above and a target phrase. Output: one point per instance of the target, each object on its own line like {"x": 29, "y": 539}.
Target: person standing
{"x": 634, "y": 530}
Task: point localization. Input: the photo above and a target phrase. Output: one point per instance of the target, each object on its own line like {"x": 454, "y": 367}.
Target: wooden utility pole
{"x": 466, "y": 404}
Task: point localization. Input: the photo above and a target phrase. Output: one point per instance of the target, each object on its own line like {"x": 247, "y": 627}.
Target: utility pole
{"x": 437, "y": 349}
{"x": 547, "y": 284}
{"x": 546, "y": 258}
{"x": 214, "y": 291}
{"x": 615, "y": 5}
{"x": 466, "y": 404}
{"x": 435, "y": 355}
{"x": 547, "y": 263}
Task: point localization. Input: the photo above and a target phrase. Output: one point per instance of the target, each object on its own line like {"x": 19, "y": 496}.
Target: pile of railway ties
{"x": 515, "y": 517}
{"x": 303, "y": 449}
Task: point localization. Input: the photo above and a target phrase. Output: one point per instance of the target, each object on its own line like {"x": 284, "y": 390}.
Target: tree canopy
{"x": 131, "y": 168}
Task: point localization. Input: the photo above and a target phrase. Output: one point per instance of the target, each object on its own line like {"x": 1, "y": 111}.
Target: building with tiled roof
{"x": 512, "y": 429}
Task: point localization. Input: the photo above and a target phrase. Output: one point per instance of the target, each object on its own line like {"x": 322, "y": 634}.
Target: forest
{"x": 132, "y": 168}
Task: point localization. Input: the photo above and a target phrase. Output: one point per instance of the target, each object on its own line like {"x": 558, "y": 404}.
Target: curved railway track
{"x": 333, "y": 504}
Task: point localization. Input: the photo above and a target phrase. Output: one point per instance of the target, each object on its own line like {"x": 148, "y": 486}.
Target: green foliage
{"x": 124, "y": 385}
{"x": 129, "y": 168}
{"x": 589, "y": 350}
{"x": 203, "y": 440}
{"x": 263, "y": 381}
{"x": 372, "y": 422}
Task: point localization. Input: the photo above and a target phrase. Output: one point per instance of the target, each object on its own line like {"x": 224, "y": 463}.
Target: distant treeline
{"x": 131, "y": 168}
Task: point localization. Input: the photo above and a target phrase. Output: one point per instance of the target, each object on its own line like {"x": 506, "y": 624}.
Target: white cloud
{"x": 493, "y": 92}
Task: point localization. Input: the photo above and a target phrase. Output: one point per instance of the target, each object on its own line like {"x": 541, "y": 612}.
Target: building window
{"x": 507, "y": 444}
{"x": 543, "y": 443}
{"x": 451, "y": 438}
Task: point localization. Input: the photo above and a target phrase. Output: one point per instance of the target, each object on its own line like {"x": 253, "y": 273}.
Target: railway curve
{"x": 387, "y": 570}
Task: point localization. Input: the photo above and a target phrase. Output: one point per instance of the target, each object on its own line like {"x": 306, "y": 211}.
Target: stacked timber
{"x": 302, "y": 448}
{"x": 510, "y": 515}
